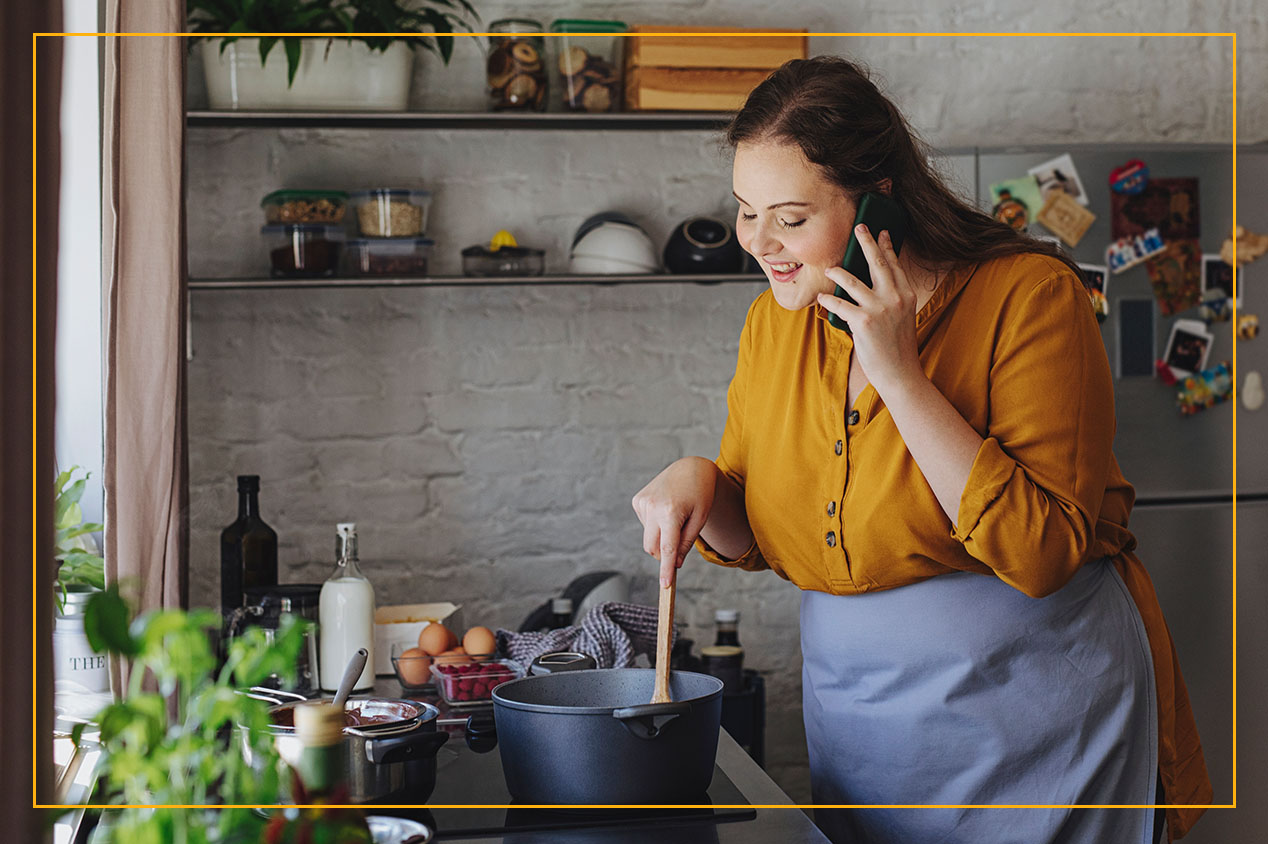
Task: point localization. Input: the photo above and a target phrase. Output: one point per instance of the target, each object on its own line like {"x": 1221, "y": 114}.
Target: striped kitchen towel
{"x": 613, "y": 633}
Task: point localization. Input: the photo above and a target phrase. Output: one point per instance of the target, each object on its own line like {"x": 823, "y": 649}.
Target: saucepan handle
{"x": 648, "y": 720}
{"x": 417, "y": 745}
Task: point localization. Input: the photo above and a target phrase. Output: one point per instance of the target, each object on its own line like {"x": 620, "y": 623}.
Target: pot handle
{"x": 415, "y": 745}
{"x": 647, "y": 720}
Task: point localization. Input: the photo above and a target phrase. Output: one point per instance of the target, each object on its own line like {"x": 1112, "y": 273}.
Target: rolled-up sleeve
{"x": 1029, "y": 508}
{"x": 731, "y": 450}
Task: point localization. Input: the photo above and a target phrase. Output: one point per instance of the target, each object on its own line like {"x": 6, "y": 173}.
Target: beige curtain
{"x": 143, "y": 222}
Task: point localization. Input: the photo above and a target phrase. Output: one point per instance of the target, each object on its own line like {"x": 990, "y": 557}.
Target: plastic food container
{"x": 509, "y": 260}
{"x": 472, "y": 683}
{"x": 516, "y": 67}
{"x": 391, "y": 212}
{"x": 304, "y": 206}
{"x": 303, "y": 250}
{"x": 587, "y": 69}
{"x": 399, "y": 256}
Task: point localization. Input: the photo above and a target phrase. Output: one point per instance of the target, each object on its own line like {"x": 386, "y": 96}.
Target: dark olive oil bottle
{"x": 248, "y": 549}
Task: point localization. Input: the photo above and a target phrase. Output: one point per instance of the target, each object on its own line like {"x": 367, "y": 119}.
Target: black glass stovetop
{"x": 469, "y": 778}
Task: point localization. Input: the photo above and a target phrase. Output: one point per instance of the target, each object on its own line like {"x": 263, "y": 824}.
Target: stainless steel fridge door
{"x": 1162, "y": 453}
{"x": 1188, "y": 552}
{"x": 1252, "y": 355}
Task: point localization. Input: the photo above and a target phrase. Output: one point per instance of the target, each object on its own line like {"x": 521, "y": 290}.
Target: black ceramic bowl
{"x": 703, "y": 245}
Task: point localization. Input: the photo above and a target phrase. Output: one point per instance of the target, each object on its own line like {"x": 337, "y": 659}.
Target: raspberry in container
{"x": 462, "y": 684}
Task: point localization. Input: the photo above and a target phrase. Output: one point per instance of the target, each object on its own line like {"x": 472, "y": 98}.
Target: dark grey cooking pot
{"x": 584, "y": 737}
{"x": 391, "y": 756}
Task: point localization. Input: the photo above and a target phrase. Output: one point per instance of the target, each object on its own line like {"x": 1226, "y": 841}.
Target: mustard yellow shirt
{"x": 837, "y": 504}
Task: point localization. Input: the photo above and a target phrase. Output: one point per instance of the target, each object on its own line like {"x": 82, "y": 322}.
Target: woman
{"x": 941, "y": 486}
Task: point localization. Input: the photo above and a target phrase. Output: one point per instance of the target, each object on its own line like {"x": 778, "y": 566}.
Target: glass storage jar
{"x": 587, "y": 69}
{"x": 516, "y": 67}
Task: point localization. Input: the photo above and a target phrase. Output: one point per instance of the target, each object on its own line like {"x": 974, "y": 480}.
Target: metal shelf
{"x": 632, "y": 121}
{"x": 464, "y": 281}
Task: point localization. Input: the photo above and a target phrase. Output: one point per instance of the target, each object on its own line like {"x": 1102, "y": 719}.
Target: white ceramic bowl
{"x": 614, "y": 248}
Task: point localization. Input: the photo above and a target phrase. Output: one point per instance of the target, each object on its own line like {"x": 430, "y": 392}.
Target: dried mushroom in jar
{"x": 516, "y": 75}
{"x": 590, "y": 81}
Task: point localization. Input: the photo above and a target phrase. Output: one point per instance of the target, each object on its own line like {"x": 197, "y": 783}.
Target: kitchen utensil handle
{"x": 350, "y": 674}
{"x": 417, "y": 745}
{"x": 664, "y": 639}
{"x": 647, "y": 720}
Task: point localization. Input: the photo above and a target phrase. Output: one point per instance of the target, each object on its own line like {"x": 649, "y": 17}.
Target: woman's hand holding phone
{"x": 883, "y": 321}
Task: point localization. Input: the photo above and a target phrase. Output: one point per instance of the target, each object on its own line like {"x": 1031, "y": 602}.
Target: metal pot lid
{"x": 364, "y": 714}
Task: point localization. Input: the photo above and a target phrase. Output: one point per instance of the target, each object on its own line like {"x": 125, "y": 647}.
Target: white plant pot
{"x": 333, "y": 75}
{"x": 75, "y": 666}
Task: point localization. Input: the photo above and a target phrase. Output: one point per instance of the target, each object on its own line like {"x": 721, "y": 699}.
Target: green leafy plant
{"x": 79, "y": 565}
{"x": 413, "y": 23}
{"x": 183, "y": 743}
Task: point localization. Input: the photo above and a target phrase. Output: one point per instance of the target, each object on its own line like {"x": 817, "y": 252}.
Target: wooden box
{"x": 681, "y": 70}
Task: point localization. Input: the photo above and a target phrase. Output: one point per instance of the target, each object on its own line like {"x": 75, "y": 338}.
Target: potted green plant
{"x": 348, "y": 64}
{"x": 80, "y": 574}
{"x": 190, "y": 738}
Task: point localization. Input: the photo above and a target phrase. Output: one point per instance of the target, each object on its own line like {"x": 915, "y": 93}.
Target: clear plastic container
{"x": 516, "y": 67}
{"x": 472, "y": 683}
{"x": 304, "y": 206}
{"x": 587, "y": 69}
{"x": 398, "y": 256}
{"x": 391, "y": 212}
{"x": 303, "y": 250}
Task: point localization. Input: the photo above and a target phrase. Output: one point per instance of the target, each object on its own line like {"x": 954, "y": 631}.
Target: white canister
{"x": 73, "y": 658}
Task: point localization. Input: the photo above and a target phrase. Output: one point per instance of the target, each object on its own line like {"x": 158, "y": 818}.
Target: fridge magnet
{"x": 1127, "y": 252}
{"x": 1250, "y": 246}
{"x": 1016, "y": 201}
{"x": 1097, "y": 277}
{"x": 1217, "y": 278}
{"x": 1064, "y": 217}
{"x": 1059, "y": 176}
{"x": 1187, "y": 347}
{"x": 1129, "y": 178}
{"x": 1216, "y": 307}
{"x": 1176, "y": 275}
{"x": 1205, "y": 389}
{"x": 1169, "y": 205}
{"x": 1252, "y": 391}
{"x": 1248, "y": 326}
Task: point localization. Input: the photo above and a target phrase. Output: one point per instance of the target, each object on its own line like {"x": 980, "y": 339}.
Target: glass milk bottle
{"x": 346, "y": 615}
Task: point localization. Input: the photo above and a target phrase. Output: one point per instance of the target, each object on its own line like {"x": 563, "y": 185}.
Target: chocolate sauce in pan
{"x": 353, "y": 715}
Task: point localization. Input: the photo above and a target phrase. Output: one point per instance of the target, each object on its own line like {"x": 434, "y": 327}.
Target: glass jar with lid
{"x": 516, "y": 66}
{"x": 587, "y": 70}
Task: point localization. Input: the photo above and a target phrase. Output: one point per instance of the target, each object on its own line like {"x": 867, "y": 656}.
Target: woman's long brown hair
{"x": 842, "y": 123}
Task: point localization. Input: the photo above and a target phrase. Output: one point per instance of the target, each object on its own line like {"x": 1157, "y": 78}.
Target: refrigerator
{"x": 1182, "y": 467}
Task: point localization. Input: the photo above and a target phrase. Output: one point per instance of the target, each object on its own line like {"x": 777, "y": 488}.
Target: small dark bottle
{"x": 248, "y": 549}
{"x": 728, "y": 622}
{"x": 560, "y": 613}
{"x": 724, "y": 659}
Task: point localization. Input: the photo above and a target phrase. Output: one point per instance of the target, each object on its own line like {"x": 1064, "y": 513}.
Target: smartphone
{"x": 879, "y": 213}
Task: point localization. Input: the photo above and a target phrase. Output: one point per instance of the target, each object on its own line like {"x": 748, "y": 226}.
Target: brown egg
{"x": 413, "y": 667}
{"x": 436, "y": 639}
{"x": 479, "y": 642}
{"x": 454, "y": 656}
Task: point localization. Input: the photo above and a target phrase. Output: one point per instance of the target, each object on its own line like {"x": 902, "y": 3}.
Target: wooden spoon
{"x": 664, "y": 638}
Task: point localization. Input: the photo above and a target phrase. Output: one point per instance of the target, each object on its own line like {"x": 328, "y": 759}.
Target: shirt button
{"x": 854, "y": 417}
{"x": 832, "y": 539}
{"x": 838, "y": 448}
{"x": 832, "y": 508}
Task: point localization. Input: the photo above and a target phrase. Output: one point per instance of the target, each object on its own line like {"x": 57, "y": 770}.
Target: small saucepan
{"x": 391, "y": 745}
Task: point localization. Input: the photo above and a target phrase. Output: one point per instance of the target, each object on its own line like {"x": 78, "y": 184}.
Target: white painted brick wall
{"x": 487, "y": 441}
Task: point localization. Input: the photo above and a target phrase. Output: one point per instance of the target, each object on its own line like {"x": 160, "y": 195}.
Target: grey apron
{"x": 962, "y": 690}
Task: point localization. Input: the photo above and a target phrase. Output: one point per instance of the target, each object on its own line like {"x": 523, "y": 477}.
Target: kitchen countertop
{"x": 786, "y": 823}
